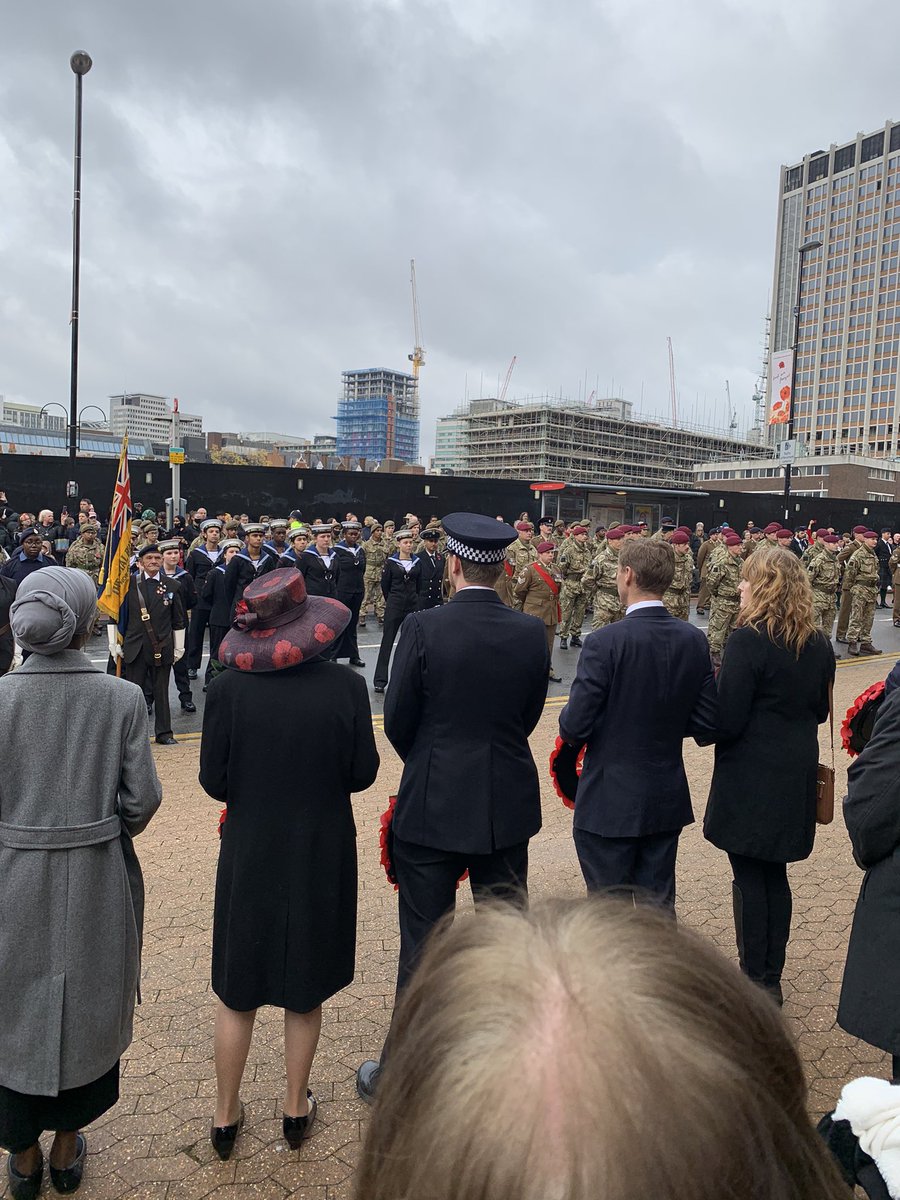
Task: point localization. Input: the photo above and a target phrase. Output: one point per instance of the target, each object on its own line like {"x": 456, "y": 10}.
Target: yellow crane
{"x": 417, "y": 357}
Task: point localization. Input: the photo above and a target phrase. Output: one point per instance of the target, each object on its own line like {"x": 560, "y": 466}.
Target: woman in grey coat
{"x": 71, "y": 892}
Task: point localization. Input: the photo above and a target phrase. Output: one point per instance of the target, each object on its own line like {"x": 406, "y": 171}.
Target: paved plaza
{"x": 155, "y": 1144}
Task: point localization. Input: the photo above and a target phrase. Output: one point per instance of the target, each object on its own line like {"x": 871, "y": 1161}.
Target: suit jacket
{"x": 467, "y": 687}
{"x": 165, "y": 607}
{"x": 643, "y": 685}
{"x": 431, "y": 579}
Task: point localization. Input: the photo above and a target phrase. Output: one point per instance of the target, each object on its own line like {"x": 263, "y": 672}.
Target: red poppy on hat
{"x": 277, "y": 625}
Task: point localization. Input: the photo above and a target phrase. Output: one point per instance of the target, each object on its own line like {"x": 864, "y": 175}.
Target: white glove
{"x": 114, "y": 648}
{"x": 179, "y": 645}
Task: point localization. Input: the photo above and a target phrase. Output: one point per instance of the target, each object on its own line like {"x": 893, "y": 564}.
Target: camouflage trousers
{"x": 374, "y": 596}
{"x": 824, "y": 612}
{"x": 678, "y": 604}
{"x": 573, "y": 605}
{"x": 862, "y": 614}
{"x": 722, "y": 616}
{"x": 607, "y": 608}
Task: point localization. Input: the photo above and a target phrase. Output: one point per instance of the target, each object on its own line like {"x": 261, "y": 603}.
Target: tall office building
{"x": 847, "y": 197}
{"x": 142, "y": 415}
{"x": 378, "y": 416}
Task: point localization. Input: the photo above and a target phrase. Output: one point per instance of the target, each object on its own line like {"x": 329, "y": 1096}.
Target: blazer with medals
{"x": 351, "y": 580}
{"x": 467, "y": 687}
{"x": 431, "y": 579}
{"x": 162, "y": 598}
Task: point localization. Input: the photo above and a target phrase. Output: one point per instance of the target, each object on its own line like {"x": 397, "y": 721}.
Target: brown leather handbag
{"x": 825, "y": 774}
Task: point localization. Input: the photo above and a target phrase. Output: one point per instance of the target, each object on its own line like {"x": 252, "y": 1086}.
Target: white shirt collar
{"x": 643, "y": 604}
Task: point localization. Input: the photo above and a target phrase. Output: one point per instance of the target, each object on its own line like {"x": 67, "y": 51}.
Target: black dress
{"x": 284, "y": 927}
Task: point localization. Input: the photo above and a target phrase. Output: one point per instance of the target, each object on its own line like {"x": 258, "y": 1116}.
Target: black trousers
{"x": 427, "y": 881}
{"x": 141, "y": 673}
{"x": 196, "y": 630}
{"x": 348, "y": 646}
{"x": 180, "y": 675}
{"x": 393, "y": 619}
{"x": 641, "y": 866}
{"x": 762, "y": 916}
{"x": 216, "y": 634}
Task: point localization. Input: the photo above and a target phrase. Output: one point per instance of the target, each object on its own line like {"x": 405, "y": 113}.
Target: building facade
{"x": 378, "y": 416}
{"x": 849, "y": 336}
{"x": 145, "y": 416}
{"x": 30, "y": 416}
{"x": 588, "y": 444}
{"x": 837, "y": 476}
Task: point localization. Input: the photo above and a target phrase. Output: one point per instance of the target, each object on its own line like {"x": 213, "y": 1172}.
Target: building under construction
{"x": 592, "y": 443}
{"x": 378, "y": 416}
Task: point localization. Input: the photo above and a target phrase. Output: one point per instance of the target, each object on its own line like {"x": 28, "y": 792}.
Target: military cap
{"x": 148, "y": 548}
{"x": 431, "y": 535}
{"x": 300, "y": 531}
{"x": 679, "y": 538}
{"x": 524, "y": 526}
{"x": 254, "y": 527}
{"x": 642, "y": 524}
{"x": 858, "y": 530}
{"x": 89, "y": 525}
{"x": 322, "y": 527}
{"x": 169, "y": 544}
{"x": 668, "y": 521}
{"x": 576, "y": 529}
{"x": 756, "y": 529}
{"x": 350, "y": 525}
{"x": 278, "y": 523}
{"x": 772, "y": 527}
{"x": 543, "y": 547}
{"x": 403, "y": 533}
{"x": 616, "y": 534}
{"x": 545, "y": 521}
{"x": 784, "y": 535}
{"x": 681, "y": 528}
{"x": 236, "y": 542}
{"x": 732, "y": 539}
{"x": 477, "y": 538}
{"x": 831, "y": 538}
{"x": 210, "y": 523}
{"x": 29, "y": 532}
{"x": 870, "y": 533}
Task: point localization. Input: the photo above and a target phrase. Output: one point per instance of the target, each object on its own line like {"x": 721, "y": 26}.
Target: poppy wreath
{"x": 856, "y": 728}
{"x": 566, "y": 763}
{"x": 386, "y": 844}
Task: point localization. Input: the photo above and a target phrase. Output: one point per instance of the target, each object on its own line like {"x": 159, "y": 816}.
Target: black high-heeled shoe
{"x": 24, "y": 1187}
{"x": 223, "y": 1137}
{"x": 295, "y": 1129}
{"x": 68, "y": 1179}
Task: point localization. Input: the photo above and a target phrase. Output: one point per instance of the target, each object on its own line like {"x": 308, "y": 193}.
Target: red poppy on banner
{"x": 780, "y": 390}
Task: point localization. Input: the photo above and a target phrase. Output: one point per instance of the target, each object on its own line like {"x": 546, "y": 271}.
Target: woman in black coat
{"x": 284, "y": 927}
{"x": 870, "y": 994}
{"x": 773, "y": 695}
{"x": 400, "y": 587}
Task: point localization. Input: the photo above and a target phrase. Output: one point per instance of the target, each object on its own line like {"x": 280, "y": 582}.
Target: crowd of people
{"x": 513, "y": 1029}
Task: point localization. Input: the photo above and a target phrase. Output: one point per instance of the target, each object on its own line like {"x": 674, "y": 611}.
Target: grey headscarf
{"x": 51, "y": 607}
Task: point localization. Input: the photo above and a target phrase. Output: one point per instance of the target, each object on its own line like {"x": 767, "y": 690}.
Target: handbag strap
{"x": 831, "y": 719}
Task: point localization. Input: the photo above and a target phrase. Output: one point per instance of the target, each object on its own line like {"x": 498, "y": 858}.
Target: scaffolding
{"x": 576, "y": 443}
{"x": 378, "y": 415}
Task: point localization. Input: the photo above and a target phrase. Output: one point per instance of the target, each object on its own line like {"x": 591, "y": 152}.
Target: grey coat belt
{"x": 59, "y": 837}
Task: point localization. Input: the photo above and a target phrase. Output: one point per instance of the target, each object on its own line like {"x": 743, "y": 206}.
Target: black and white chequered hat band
{"x": 461, "y": 550}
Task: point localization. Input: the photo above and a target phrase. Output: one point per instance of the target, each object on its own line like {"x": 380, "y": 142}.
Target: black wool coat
{"x": 762, "y": 799}
{"x": 870, "y": 995}
{"x": 284, "y": 923}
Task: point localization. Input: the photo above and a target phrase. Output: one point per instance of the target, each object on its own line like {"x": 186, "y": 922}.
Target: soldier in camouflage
{"x": 844, "y": 557}
{"x": 601, "y": 580}
{"x": 861, "y": 577}
{"x": 723, "y": 580}
{"x": 86, "y": 554}
{"x": 520, "y": 555}
{"x": 677, "y": 597}
{"x": 574, "y": 560}
{"x": 824, "y": 575}
{"x": 376, "y": 553}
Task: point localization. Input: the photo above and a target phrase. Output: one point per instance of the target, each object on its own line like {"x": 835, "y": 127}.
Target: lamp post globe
{"x": 81, "y": 62}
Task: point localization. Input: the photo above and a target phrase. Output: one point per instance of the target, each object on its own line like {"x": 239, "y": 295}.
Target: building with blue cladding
{"x": 378, "y": 416}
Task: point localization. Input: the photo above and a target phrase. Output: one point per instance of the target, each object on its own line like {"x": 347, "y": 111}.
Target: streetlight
{"x": 806, "y": 248}
{"x": 87, "y": 407}
{"x": 81, "y": 63}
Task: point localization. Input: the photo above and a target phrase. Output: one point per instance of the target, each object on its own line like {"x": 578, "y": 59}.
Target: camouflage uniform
{"x": 843, "y": 558}
{"x": 601, "y": 578}
{"x": 861, "y": 577}
{"x": 677, "y": 597}
{"x": 722, "y": 578}
{"x": 574, "y": 560}
{"x": 824, "y": 575}
{"x": 894, "y": 566}
{"x": 519, "y": 556}
{"x": 86, "y": 558}
{"x": 376, "y": 554}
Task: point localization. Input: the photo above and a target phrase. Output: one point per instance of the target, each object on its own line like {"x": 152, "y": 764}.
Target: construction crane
{"x": 505, "y": 387}
{"x": 672, "y": 393}
{"x": 417, "y": 357}
{"x": 732, "y": 411}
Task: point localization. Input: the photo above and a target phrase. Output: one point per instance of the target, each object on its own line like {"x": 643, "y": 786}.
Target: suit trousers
{"x": 641, "y": 866}
{"x": 142, "y": 672}
{"x": 348, "y": 645}
{"x": 392, "y": 622}
{"x": 427, "y": 881}
{"x": 762, "y": 916}
{"x": 196, "y": 630}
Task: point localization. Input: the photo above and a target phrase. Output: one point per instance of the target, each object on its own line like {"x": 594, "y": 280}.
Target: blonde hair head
{"x": 780, "y": 599}
{"x": 588, "y": 1050}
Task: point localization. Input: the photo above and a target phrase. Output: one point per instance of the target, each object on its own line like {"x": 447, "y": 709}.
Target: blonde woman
{"x": 773, "y": 695}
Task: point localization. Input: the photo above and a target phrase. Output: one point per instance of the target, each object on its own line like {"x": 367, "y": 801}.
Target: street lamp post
{"x": 805, "y": 249}
{"x": 81, "y": 63}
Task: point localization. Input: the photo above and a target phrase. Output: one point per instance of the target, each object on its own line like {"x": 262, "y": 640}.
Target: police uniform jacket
{"x": 243, "y": 570}
{"x": 214, "y": 597}
{"x": 198, "y": 565}
{"x": 162, "y": 599}
{"x": 467, "y": 687}
{"x": 431, "y": 579}
{"x": 351, "y": 580}
{"x": 400, "y": 587}
{"x": 321, "y": 574}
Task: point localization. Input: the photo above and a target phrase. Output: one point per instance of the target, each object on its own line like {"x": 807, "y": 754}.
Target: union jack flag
{"x": 115, "y": 574}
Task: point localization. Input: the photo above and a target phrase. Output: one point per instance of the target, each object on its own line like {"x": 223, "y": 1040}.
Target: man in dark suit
{"x": 152, "y": 645}
{"x": 467, "y": 687}
{"x": 643, "y": 685}
{"x": 431, "y": 576}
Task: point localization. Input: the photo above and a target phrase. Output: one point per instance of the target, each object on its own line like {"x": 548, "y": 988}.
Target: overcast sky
{"x": 576, "y": 182}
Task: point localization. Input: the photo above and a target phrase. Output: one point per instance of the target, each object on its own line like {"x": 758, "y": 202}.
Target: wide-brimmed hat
{"x": 277, "y": 625}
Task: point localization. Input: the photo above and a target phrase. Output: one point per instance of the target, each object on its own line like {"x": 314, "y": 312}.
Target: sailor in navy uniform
{"x": 319, "y": 564}
{"x": 400, "y": 588}
{"x": 431, "y": 576}
{"x": 217, "y": 602}
{"x": 198, "y": 563}
{"x": 467, "y": 688}
{"x": 351, "y": 588}
{"x": 172, "y": 568}
{"x": 277, "y": 545}
{"x": 247, "y": 565}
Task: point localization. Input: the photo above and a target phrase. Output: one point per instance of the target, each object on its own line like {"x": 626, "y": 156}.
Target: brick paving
{"x": 155, "y": 1143}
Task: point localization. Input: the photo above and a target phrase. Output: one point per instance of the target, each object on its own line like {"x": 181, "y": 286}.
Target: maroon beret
{"x": 524, "y": 526}
{"x": 859, "y": 529}
{"x": 732, "y": 539}
{"x": 543, "y": 547}
{"x": 578, "y": 529}
{"x": 870, "y": 533}
{"x": 784, "y": 535}
{"x": 615, "y": 535}
{"x": 772, "y": 527}
{"x": 830, "y": 538}
{"x": 679, "y": 538}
